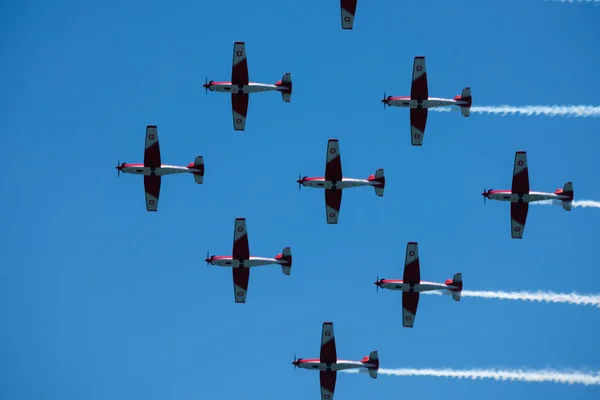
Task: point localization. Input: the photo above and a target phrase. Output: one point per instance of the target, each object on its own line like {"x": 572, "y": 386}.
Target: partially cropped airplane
{"x": 153, "y": 169}
{"x": 419, "y": 101}
{"x": 411, "y": 284}
{"x": 240, "y": 86}
{"x": 334, "y": 183}
{"x": 241, "y": 261}
{"x": 348, "y": 8}
{"x": 328, "y": 363}
{"x": 520, "y": 196}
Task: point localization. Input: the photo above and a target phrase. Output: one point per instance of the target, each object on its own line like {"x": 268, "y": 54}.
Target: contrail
{"x": 544, "y": 375}
{"x": 551, "y": 111}
{"x": 576, "y": 203}
{"x": 539, "y": 296}
{"x": 596, "y": 2}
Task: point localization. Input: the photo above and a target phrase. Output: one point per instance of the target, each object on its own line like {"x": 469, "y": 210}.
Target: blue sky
{"x": 101, "y": 299}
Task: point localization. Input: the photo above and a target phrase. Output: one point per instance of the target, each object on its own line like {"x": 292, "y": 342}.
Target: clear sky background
{"x": 100, "y": 299}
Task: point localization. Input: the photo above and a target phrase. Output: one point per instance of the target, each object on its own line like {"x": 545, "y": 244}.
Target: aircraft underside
{"x": 338, "y": 366}
{"x": 429, "y": 103}
{"x": 245, "y": 89}
{"x": 252, "y": 262}
{"x": 526, "y": 198}
{"x": 416, "y": 287}
{"x": 345, "y": 183}
{"x": 159, "y": 171}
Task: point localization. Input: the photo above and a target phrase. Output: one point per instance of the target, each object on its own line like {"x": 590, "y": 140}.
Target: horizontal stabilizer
{"x": 286, "y": 260}
{"x": 379, "y": 182}
{"x": 285, "y": 87}
{"x": 198, "y": 166}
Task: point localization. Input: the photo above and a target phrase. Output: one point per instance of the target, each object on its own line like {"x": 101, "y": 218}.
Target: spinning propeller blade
{"x": 299, "y": 179}
{"x": 206, "y": 85}
{"x": 377, "y": 289}
{"x": 384, "y": 97}
{"x": 207, "y": 258}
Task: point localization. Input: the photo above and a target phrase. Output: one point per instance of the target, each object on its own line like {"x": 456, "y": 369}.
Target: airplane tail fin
{"x": 198, "y": 167}
{"x": 457, "y": 284}
{"x": 286, "y": 260}
{"x": 373, "y": 361}
{"x": 379, "y": 181}
{"x": 465, "y": 96}
{"x": 285, "y": 85}
{"x": 567, "y": 190}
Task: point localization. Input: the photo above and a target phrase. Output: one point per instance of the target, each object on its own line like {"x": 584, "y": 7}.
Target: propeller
{"x": 206, "y": 85}
{"x": 299, "y": 180}
{"x": 118, "y": 170}
{"x": 384, "y": 97}
{"x": 294, "y": 361}
{"x": 377, "y": 286}
{"x": 207, "y": 257}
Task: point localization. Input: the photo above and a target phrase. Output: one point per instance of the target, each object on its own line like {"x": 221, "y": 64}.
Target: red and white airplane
{"x": 334, "y": 183}
{"x": 419, "y": 101}
{"x": 520, "y": 196}
{"x": 153, "y": 169}
{"x": 411, "y": 285}
{"x": 348, "y": 8}
{"x": 328, "y": 363}
{"x": 241, "y": 261}
{"x": 240, "y": 86}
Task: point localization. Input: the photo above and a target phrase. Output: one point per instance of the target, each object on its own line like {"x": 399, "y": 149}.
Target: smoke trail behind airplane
{"x": 523, "y": 375}
{"x": 576, "y": 203}
{"x": 539, "y": 296}
{"x": 550, "y": 111}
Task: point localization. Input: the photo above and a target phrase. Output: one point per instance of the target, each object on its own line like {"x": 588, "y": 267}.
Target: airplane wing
{"x": 239, "y": 77}
{"x": 241, "y": 251}
{"x": 520, "y": 182}
{"x": 328, "y": 351}
{"x": 333, "y": 203}
{"x": 412, "y": 275}
{"x": 333, "y": 167}
{"x": 348, "y": 11}
{"x": 418, "y": 89}
{"x": 418, "y": 120}
{"x": 239, "y": 70}
{"x": 240, "y": 283}
{"x": 239, "y": 106}
{"x": 410, "y": 302}
{"x": 518, "y": 216}
{"x": 152, "y": 189}
{"x": 152, "y": 149}
{"x": 327, "y": 384}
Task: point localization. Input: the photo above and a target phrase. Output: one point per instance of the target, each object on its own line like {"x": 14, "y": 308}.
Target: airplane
{"x": 411, "y": 285}
{"x": 328, "y": 363}
{"x": 240, "y": 87}
{"x": 241, "y": 261}
{"x": 334, "y": 183}
{"x": 153, "y": 169}
{"x": 520, "y": 196}
{"x": 348, "y": 8}
{"x": 419, "y": 101}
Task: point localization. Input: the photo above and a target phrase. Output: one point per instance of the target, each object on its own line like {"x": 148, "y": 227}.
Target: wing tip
{"x": 327, "y": 323}
{"x": 521, "y": 152}
{"x": 332, "y": 140}
{"x": 419, "y": 57}
{"x": 242, "y": 43}
{"x": 150, "y": 126}
{"x": 415, "y": 243}
{"x": 240, "y": 219}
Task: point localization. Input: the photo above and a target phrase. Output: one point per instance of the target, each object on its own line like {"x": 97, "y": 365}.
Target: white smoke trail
{"x": 595, "y": 2}
{"x": 551, "y": 111}
{"x": 539, "y": 296}
{"x": 523, "y": 375}
{"x": 576, "y": 203}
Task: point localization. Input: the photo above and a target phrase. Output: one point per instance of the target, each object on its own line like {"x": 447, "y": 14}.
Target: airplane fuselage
{"x": 507, "y": 195}
{"x": 251, "y": 87}
{"x": 228, "y": 261}
{"x": 139, "y": 169}
{"x": 424, "y": 286}
{"x": 345, "y": 183}
{"x": 316, "y": 364}
{"x": 405, "y": 101}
